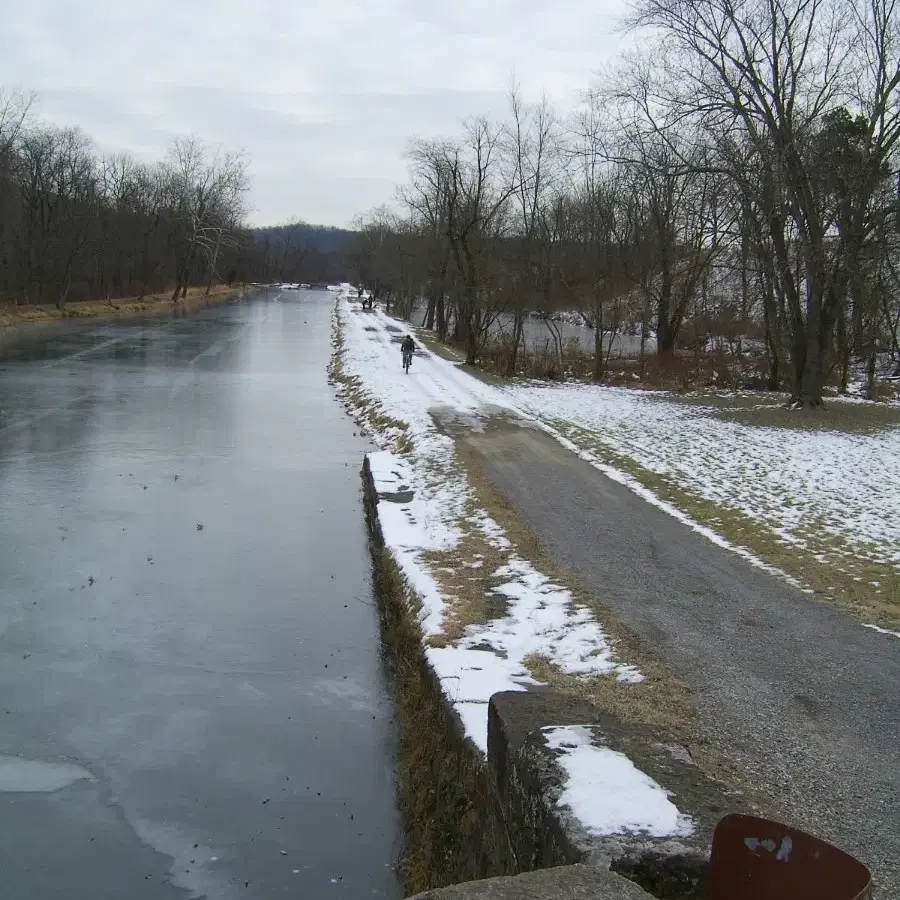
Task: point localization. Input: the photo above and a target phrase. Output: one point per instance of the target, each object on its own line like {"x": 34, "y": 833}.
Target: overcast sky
{"x": 323, "y": 94}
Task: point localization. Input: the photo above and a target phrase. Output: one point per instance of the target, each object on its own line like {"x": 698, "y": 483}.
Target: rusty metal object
{"x": 758, "y": 859}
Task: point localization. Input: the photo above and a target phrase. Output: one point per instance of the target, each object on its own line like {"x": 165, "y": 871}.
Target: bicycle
{"x": 407, "y": 360}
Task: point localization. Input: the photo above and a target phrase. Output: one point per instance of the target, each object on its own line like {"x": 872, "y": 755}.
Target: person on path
{"x": 407, "y": 348}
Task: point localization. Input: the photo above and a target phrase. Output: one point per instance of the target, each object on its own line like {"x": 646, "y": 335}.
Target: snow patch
{"x": 792, "y": 480}
{"x": 20, "y": 775}
{"x": 424, "y": 504}
{"x": 542, "y": 618}
{"x": 607, "y": 793}
{"x": 895, "y": 634}
{"x": 409, "y": 529}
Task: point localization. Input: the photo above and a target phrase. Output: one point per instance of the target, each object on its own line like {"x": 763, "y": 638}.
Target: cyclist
{"x": 408, "y": 347}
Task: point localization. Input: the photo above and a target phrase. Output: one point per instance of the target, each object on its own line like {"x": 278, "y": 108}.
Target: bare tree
{"x": 428, "y": 197}
{"x": 606, "y": 230}
{"x": 740, "y": 174}
{"x": 770, "y": 70}
{"x": 209, "y": 187}
{"x": 477, "y": 197}
{"x": 15, "y": 107}
{"x": 75, "y": 225}
{"x": 533, "y": 161}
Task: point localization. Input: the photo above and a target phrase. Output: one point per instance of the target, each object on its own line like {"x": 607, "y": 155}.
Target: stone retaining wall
{"x": 470, "y": 817}
{"x": 563, "y": 883}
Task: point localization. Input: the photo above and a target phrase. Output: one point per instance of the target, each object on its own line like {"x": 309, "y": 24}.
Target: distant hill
{"x": 297, "y": 252}
{"x": 320, "y": 237}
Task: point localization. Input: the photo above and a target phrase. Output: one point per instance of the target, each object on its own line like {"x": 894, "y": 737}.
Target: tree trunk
{"x": 441, "y": 319}
{"x": 440, "y": 311}
{"x": 429, "y": 314}
{"x": 180, "y": 293}
{"x": 870, "y": 376}
{"x": 644, "y": 319}
{"x": 212, "y": 265}
{"x": 770, "y": 319}
{"x": 468, "y": 336}
{"x": 465, "y": 322}
{"x": 599, "y": 359}
{"x": 812, "y": 374}
{"x": 471, "y": 344}
{"x": 845, "y": 345}
{"x": 665, "y": 332}
{"x": 745, "y": 290}
{"x": 192, "y": 256}
{"x": 844, "y": 387}
{"x": 512, "y": 361}
{"x": 64, "y": 293}
{"x": 665, "y": 346}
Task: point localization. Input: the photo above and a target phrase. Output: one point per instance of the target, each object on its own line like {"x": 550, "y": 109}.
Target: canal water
{"x": 536, "y": 335}
{"x": 193, "y": 701}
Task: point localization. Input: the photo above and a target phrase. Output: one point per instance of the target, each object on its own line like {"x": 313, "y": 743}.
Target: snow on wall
{"x": 607, "y": 793}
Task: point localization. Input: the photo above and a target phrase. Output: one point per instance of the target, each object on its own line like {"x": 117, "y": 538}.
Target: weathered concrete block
{"x": 530, "y": 781}
{"x": 563, "y": 883}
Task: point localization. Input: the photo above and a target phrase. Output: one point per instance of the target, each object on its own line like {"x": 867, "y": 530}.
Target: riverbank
{"x": 152, "y": 304}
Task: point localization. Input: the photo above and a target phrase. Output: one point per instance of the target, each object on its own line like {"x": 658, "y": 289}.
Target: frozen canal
{"x": 193, "y": 702}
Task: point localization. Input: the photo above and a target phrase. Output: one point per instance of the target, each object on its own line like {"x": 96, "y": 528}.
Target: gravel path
{"x": 796, "y": 693}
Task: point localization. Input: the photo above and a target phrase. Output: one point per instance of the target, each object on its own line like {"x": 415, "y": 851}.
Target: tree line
{"x": 295, "y": 252}
{"x": 76, "y": 224}
{"x": 738, "y": 173}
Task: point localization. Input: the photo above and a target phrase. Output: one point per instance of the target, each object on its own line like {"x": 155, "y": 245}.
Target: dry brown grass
{"x": 442, "y": 783}
{"x": 128, "y": 306}
{"x": 680, "y": 373}
{"x": 661, "y": 699}
{"x": 771, "y": 411}
{"x": 466, "y": 577}
{"x": 365, "y": 409}
{"x": 537, "y": 360}
{"x": 887, "y": 390}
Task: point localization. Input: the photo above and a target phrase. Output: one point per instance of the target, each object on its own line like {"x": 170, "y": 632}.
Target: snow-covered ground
{"x": 425, "y": 505}
{"x": 791, "y": 480}
{"x": 797, "y": 482}
{"x": 835, "y": 494}
{"x": 430, "y": 510}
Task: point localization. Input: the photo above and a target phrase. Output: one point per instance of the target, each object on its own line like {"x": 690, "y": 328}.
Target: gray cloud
{"x": 323, "y": 96}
